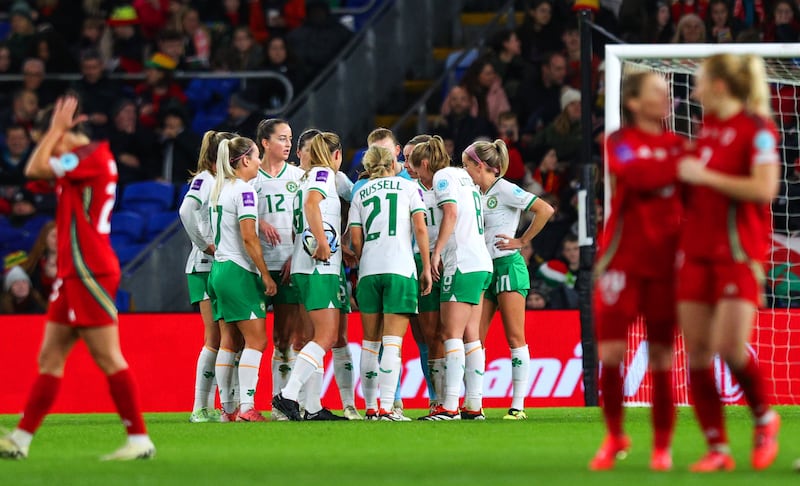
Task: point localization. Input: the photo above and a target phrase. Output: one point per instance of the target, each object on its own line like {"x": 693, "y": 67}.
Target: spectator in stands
{"x": 19, "y": 296}
{"x": 572, "y": 50}
{"x": 64, "y": 16}
{"x": 537, "y": 298}
{"x": 23, "y": 109}
{"x": 243, "y": 117}
{"x": 97, "y": 93}
{"x": 564, "y": 133}
{"x": 749, "y": 12}
{"x": 23, "y": 208}
{"x": 246, "y": 54}
{"x": 51, "y": 47}
{"x": 538, "y": 34}
{"x": 508, "y": 131}
{"x": 40, "y": 264}
{"x": 153, "y": 15}
{"x": 690, "y": 30}
{"x": 14, "y": 152}
{"x": 561, "y": 274}
{"x": 537, "y": 103}
{"x": 128, "y": 43}
{"x": 196, "y": 39}
{"x": 95, "y": 37}
{"x": 782, "y": 22}
{"x": 659, "y": 28}
{"x": 135, "y": 148}
{"x": 22, "y": 32}
{"x": 209, "y": 97}
{"x": 271, "y": 93}
{"x": 721, "y": 26}
{"x": 33, "y": 74}
{"x": 546, "y": 177}
{"x": 171, "y": 44}
{"x": 508, "y": 62}
{"x": 320, "y": 38}
{"x": 158, "y": 90}
{"x": 283, "y": 15}
{"x": 6, "y": 87}
{"x": 180, "y": 147}
{"x": 459, "y": 125}
{"x": 488, "y": 99}
{"x": 681, "y": 8}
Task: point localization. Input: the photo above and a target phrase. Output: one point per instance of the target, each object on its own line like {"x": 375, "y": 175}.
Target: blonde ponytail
{"x": 433, "y": 151}
{"x": 493, "y": 154}
{"x": 746, "y": 79}
{"x": 758, "y": 102}
{"x": 321, "y": 149}
{"x": 378, "y": 162}
{"x": 225, "y": 172}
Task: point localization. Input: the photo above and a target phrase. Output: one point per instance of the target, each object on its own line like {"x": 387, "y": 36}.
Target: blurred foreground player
{"x": 82, "y": 301}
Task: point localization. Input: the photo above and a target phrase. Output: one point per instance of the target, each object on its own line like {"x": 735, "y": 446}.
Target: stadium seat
{"x": 356, "y": 166}
{"x": 182, "y": 190}
{"x": 126, "y": 253}
{"x": 123, "y": 301}
{"x": 158, "y": 223}
{"x": 127, "y": 227}
{"x": 35, "y": 224}
{"x": 459, "y": 71}
{"x": 146, "y": 198}
{"x": 11, "y": 239}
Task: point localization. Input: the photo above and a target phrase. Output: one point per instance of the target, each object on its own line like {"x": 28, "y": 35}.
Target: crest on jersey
{"x": 491, "y": 203}
{"x": 322, "y": 176}
{"x": 518, "y": 191}
{"x": 442, "y": 185}
{"x": 248, "y": 199}
{"x": 196, "y": 184}
{"x": 291, "y": 186}
{"x": 624, "y": 153}
{"x": 69, "y": 161}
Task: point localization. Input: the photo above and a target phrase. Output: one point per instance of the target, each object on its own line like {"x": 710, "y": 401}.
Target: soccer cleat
{"x": 713, "y": 461}
{"x": 203, "y": 416}
{"x": 132, "y": 451}
{"x": 661, "y": 460}
{"x": 613, "y": 448}
{"x": 251, "y": 415}
{"x": 392, "y": 416}
{"x": 514, "y": 414}
{"x": 323, "y": 415}
{"x": 765, "y": 443}
{"x": 472, "y": 414}
{"x": 371, "y": 414}
{"x": 226, "y": 417}
{"x": 350, "y": 413}
{"x": 10, "y": 450}
{"x": 277, "y": 416}
{"x": 442, "y": 413}
{"x": 398, "y": 412}
{"x": 290, "y": 408}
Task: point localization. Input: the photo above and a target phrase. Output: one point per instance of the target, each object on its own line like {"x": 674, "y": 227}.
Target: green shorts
{"x": 387, "y": 293}
{"x": 510, "y": 275}
{"x": 198, "y": 286}
{"x": 464, "y": 287}
{"x": 236, "y": 294}
{"x": 430, "y": 302}
{"x": 320, "y": 290}
{"x": 287, "y": 293}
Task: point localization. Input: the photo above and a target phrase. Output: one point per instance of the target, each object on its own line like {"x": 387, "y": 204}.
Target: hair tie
{"x": 243, "y": 155}
{"x": 470, "y": 151}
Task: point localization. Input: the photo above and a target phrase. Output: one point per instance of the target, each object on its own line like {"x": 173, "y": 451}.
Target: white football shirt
{"x": 433, "y": 216}
{"x": 237, "y": 201}
{"x": 322, "y": 180}
{"x": 200, "y": 192}
{"x": 276, "y": 207}
{"x": 502, "y": 205}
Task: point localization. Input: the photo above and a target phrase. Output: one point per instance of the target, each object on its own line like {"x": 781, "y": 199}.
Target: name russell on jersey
{"x": 385, "y": 184}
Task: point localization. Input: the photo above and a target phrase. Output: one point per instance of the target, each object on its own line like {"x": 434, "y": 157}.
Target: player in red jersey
{"x": 725, "y": 239}
{"x": 635, "y": 266}
{"x": 82, "y": 301}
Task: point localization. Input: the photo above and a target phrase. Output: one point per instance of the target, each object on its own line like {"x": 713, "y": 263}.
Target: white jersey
{"x": 322, "y": 180}
{"x": 237, "y": 201}
{"x": 433, "y": 216}
{"x": 200, "y": 192}
{"x": 502, "y": 205}
{"x": 465, "y": 250}
{"x": 275, "y": 206}
{"x": 383, "y": 208}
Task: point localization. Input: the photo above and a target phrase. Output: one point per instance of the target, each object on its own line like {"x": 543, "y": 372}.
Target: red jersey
{"x": 86, "y": 187}
{"x": 641, "y": 234}
{"x": 718, "y": 228}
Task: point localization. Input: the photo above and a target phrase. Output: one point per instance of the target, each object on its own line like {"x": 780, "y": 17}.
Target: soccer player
{"x": 635, "y": 266}
{"x": 502, "y": 203}
{"x": 239, "y": 277}
{"x": 465, "y": 274}
{"x": 316, "y": 276}
{"x": 82, "y": 301}
{"x": 195, "y": 217}
{"x": 724, "y": 242}
{"x": 276, "y": 184}
{"x": 381, "y": 218}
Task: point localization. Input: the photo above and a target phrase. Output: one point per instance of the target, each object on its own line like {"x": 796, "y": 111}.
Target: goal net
{"x": 776, "y": 340}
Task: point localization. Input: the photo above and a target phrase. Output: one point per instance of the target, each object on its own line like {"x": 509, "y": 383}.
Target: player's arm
{"x": 637, "y": 173}
{"x": 63, "y": 119}
{"x": 446, "y": 228}
{"x": 421, "y": 234}
{"x": 760, "y": 186}
{"x": 252, "y": 246}
{"x": 542, "y": 212}
{"x": 314, "y": 218}
{"x": 191, "y": 224}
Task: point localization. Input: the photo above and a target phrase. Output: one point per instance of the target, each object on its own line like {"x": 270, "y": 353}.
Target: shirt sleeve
{"x": 198, "y": 189}
{"x": 416, "y": 202}
{"x": 82, "y": 165}
{"x": 515, "y": 197}
{"x": 321, "y": 180}
{"x": 246, "y": 203}
{"x": 354, "y": 215}
{"x": 444, "y": 189}
{"x": 344, "y": 186}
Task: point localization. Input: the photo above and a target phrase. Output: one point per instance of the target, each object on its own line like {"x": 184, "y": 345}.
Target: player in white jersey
{"x": 239, "y": 277}
{"x": 276, "y": 184}
{"x": 426, "y": 324}
{"x": 316, "y": 276}
{"x": 502, "y": 203}
{"x": 194, "y": 215}
{"x": 465, "y": 274}
{"x": 381, "y": 217}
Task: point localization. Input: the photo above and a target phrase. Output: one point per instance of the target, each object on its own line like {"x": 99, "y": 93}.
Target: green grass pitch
{"x": 552, "y": 447}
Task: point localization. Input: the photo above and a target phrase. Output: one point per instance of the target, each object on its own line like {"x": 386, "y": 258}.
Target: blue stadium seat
{"x": 127, "y": 227}
{"x": 11, "y": 239}
{"x": 126, "y": 253}
{"x": 182, "y": 190}
{"x": 35, "y": 224}
{"x": 146, "y": 198}
{"x": 459, "y": 71}
{"x": 356, "y": 167}
{"x": 123, "y": 301}
{"x": 158, "y": 223}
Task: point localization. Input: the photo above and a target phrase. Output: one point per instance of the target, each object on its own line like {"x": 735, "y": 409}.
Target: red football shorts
{"x": 81, "y": 302}
{"x": 708, "y": 282}
{"x": 619, "y": 299}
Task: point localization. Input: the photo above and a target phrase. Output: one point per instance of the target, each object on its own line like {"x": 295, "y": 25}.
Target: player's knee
{"x": 734, "y": 354}
{"x": 611, "y": 353}
{"x": 110, "y": 363}
{"x": 51, "y": 363}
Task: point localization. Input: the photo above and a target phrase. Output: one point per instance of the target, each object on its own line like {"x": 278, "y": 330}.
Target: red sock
{"x": 611, "y": 388}
{"x": 663, "y": 409}
{"x": 752, "y": 382}
{"x": 40, "y": 400}
{"x": 126, "y": 399}
{"x": 707, "y": 406}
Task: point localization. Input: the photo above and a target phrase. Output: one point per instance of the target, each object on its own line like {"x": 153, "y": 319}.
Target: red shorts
{"x": 708, "y": 282}
{"x": 81, "y": 302}
{"x": 619, "y": 299}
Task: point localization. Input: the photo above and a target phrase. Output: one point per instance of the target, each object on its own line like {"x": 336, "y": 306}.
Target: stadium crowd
{"x": 523, "y": 87}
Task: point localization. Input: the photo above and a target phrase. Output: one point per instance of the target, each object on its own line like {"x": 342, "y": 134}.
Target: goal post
{"x": 776, "y": 340}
